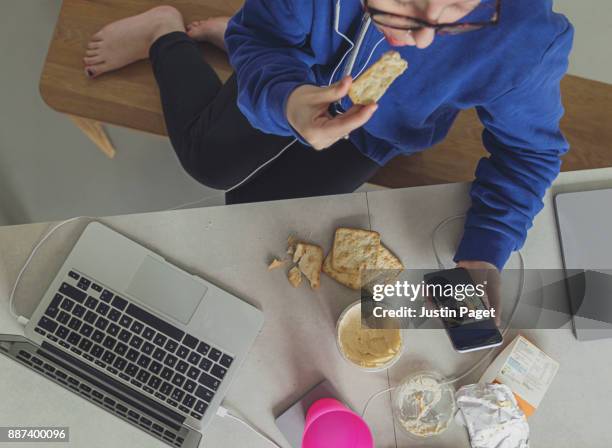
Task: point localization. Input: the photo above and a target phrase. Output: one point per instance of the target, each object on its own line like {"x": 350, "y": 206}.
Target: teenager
{"x": 271, "y": 118}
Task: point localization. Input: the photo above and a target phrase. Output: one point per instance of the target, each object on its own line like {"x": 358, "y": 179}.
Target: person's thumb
{"x": 337, "y": 91}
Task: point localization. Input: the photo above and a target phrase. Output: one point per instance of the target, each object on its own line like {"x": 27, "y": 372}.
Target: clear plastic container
{"x": 353, "y": 311}
{"x": 424, "y": 404}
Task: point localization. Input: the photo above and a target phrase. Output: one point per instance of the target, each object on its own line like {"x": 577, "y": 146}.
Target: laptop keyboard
{"x": 132, "y": 344}
{"x": 157, "y": 425}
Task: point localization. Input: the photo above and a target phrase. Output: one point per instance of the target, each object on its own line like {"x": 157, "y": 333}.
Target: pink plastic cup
{"x": 330, "y": 424}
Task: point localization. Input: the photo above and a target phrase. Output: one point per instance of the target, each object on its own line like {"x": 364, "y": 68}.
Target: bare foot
{"x": 210, "y": 30}
{"x": 128, "y": 40}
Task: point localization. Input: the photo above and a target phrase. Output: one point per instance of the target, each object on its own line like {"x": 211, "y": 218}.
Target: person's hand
{"x": 482, "y": 271}
{"x": 307, "y": 111}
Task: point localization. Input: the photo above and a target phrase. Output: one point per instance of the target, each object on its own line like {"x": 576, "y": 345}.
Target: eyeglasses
{"x": 408, "y": 23}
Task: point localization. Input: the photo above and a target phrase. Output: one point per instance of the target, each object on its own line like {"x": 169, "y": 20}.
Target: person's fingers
{"x": 354, "y": 118}
{"x": 327, "y": 130}
{"x": 336, "y": 91}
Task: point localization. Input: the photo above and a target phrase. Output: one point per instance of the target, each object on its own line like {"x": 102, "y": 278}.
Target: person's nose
{"x": 424, "y": 37}
{"x": 433, "y": 13}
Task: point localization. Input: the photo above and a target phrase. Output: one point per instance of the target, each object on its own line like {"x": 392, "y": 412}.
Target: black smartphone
{"x": 462, "y": 310}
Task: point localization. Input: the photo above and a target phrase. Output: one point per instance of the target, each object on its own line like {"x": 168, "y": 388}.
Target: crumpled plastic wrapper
{"x": 492, "y": 416}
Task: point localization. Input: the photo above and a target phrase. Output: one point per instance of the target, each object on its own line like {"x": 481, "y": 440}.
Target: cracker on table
{"x": 310, "y": 259}
{"x": 349, "y": 279}
{"x": 275, "y": 264}
{"x": 387, "y": 260}
{"x": 294, "y": 276}
{"x": 355, "y": 249}
{"x": 387, "y": 269}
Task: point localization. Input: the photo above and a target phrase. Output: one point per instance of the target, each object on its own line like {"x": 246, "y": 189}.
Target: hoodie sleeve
{"x": 267, "y": 42}
{"x": 525, "y": 144}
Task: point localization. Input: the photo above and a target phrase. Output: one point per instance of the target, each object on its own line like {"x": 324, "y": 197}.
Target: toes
{"x": 197, "y": 29}
{"x": 93, "y": 45}
{"x": 93, "y": 60}
{"x": 96, "y": 70}
{"x": 96, "y": 37}
{"x": 193, "y": 25}
{"x": 92, "y": 53}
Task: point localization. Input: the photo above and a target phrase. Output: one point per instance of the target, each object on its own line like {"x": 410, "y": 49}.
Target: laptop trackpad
{"x": 166, "y": 289}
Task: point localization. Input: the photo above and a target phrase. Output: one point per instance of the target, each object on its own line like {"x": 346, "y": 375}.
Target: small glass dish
{"x": 353, "y": 311}
{"x": 424, "y": 404}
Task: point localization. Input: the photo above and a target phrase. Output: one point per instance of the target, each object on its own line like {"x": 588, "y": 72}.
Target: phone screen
{"x": 467, "y": 332}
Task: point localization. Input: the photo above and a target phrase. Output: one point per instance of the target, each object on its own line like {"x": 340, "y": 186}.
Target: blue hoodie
{"x": 509, "y": 72}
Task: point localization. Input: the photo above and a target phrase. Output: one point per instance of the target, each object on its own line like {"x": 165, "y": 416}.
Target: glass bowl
{"x": 424, "y": 404}
{"x": 353, "y": 311}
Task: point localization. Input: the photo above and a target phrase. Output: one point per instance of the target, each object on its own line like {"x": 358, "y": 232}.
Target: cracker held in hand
{"x": 309, "y": 259}
{"x": 372, "y": 85}
{"x": 355, "y": 250}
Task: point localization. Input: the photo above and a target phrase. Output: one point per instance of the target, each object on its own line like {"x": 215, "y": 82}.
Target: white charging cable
{"x": 22, "y": 319}
{"x": 225, "y": 412}
{"x": 256, "y": 170}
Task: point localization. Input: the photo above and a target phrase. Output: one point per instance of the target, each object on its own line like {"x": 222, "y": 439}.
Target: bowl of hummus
{"x": 370, "y": 349}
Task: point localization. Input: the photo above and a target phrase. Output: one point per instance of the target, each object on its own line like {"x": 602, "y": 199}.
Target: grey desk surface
{"x": 230, "y": 246}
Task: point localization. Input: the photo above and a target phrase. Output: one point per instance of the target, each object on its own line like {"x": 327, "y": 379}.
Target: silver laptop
{"x": 134, "y": 334}
{"x": 585, "y": 223}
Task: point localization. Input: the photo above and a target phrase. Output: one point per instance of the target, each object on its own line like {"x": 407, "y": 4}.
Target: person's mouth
{"x": 394, "y": 42}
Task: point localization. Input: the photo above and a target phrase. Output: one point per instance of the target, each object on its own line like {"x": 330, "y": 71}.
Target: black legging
{"x": 217, "y": 145}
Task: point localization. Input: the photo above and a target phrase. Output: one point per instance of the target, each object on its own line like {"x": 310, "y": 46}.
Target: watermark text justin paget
{"x": 461, "y": 313}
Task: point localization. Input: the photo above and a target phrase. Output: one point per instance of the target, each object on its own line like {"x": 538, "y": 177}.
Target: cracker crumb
{"x": 275, "y": 264}
{"x": 291, "y": 243}
{"x": 295, "y": 276}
